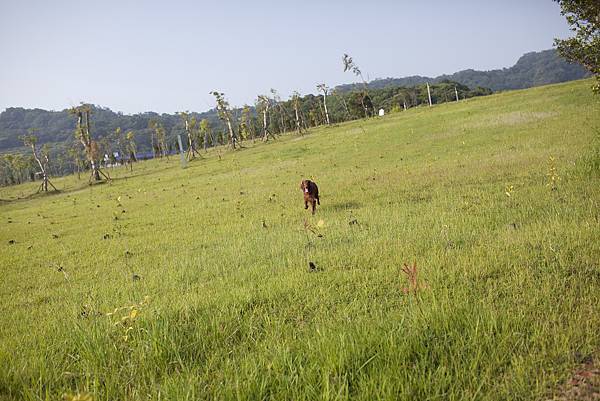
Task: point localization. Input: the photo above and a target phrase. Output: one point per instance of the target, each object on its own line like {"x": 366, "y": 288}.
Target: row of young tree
{"x": 269, "y": 117}
{"x": 272, "y": 116}
{"x": 39, "y": 162}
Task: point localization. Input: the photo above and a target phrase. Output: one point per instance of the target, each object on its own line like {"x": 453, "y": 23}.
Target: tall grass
{"x": 195, "y": 284}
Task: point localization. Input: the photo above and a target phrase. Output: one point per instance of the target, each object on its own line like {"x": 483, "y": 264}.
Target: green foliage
{"x": 206, "y": 133}
{"x": 158, "y": 137}
{"x": 131, "y": 146}
{"x": 223, "y": 109}
{"x": 584, "y": 48}
{"x": 56, "y": 127}
{"x": 245, "y": 124}
{"x": 16, "y": 168}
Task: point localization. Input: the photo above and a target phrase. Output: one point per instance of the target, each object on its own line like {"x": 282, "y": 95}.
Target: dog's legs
{"x": 318, "y": 201}
{"x": 305, "y": 204}
{"x": 313, "y": 206}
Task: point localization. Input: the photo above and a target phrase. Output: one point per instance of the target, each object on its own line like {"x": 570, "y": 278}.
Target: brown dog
{"x": 311, "y": 194}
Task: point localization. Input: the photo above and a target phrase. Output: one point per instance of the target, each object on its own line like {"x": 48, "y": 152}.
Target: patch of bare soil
{"x": 583, "y": 385}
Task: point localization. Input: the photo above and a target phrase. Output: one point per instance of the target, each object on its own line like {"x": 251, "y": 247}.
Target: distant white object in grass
{"x": 381, "y": 112}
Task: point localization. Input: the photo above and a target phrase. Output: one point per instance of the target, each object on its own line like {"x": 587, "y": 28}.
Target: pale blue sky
{"x": 165, "y": 56}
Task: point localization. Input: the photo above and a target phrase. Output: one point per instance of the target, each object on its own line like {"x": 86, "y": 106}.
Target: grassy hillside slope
{"x": 210, "y": 264}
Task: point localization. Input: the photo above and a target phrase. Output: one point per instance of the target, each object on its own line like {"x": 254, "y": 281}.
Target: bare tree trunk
{"x": 165, "y": 149}
{"x": 44, "y": 185}
{"x": 325, "y": 106}
{"x": 95, "y": 170}
{"x": 152, "y": 143}
{"x": 230, "y": 128}
{"x": 281, "y": 117}
{"x": 303, "y": 119}
{"x": 298, "y": 127}
{"x": 364, "y": 104}
{"x": 191, "y": 147}
{"x": 265, "y": 128}
{"x": 86, "y": 141}
{"x": 322, "y": 113}
{"x": 45, "y": 178}
{"x": 345, "y": 106}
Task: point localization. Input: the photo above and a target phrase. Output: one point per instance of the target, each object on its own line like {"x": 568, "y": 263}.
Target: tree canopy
{"x": 584, "y": 48}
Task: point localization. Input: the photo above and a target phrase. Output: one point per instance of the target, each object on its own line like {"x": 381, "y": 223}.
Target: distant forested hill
{"x": 58, "y": 127}
{"x": 532, "y": 69}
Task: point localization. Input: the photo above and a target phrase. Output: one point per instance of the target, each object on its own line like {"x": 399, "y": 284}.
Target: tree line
{"x": 87, "y": 134}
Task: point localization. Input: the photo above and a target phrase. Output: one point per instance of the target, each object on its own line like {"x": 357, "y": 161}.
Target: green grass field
{"x": 496, "y": 199}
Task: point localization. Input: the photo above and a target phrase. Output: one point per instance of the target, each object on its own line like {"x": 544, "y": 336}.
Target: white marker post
{"x": 456, "y": 93}
{"x": 429, "y": 94}
{"x": 181, "y": 155}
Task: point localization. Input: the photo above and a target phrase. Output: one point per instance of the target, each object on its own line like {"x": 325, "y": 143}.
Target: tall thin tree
{"x": 225, "y": 115}
{"x": 131, "y": 148}
{"x": 189, "y": 125}
{"x": 84, "y": 135}
{"x": 265, "y": 103}
{"x": 296, "y": 104}
{"x": 325, "y": 90}
{"x": 42, "y": 158}
{"x": 350, "y": 65}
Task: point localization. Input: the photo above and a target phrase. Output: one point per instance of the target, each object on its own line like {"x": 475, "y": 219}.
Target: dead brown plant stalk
{"x": 412, "y": 275}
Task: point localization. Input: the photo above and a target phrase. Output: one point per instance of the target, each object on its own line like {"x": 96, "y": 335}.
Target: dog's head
{"x": 304, "y": 185}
